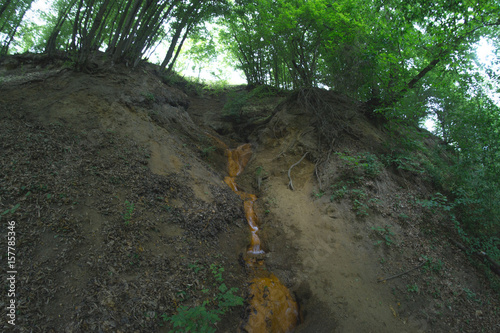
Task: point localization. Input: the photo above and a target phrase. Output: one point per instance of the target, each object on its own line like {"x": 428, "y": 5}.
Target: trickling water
{"x": 272, "y": 307}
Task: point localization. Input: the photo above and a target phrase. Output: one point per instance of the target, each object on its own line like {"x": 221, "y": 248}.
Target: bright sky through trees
{"x": 184, "y": 66}
{"x": 485, "y": 53}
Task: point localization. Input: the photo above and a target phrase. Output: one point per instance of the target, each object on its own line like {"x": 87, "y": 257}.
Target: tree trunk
{"x": 118, "y": 31}
{"x": 51, "y": 43}
{"x": 171, "y": 48}
{"x": 75, "y": 26}
{"x": 117, "y": 51}
{"x": 4, "y": 7}
{"x": 88, "y": 40}
{"x": 171, "y": 66}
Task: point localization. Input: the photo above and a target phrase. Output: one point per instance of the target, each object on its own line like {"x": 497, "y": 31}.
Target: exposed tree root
{"x": 290, "y": 183}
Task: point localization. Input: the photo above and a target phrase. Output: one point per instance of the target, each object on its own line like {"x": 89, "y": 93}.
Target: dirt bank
{"x": 123, "y": 218}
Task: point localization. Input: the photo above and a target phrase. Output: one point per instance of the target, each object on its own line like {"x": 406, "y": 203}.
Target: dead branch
{"x": 317, "y": 174}
{"x": 493, "y": 265}
{"x": 400, "y": 274}
{"x": 290, "y": 183}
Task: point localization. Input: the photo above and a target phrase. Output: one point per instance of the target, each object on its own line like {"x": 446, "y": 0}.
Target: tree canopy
{"x": 125, "y": 29}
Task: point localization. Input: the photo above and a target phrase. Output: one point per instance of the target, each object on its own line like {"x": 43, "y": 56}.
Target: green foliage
{"x": 196, "y": 267}
{"x": 217, "y": 272}
{"x": 339, "y": 192}
{"x": 360, "y": 207}
{"x": 358, "y": 197}
{"x": 237, "y": 100}
{"x": 11, "y": 17}
{"x": 385, "y": 233}
{"x": 149, "y": 96}
{"x": 129, "y": 210}
{"x": 283, "y": 54}
{"x": 216, "y": 87}
{"x": 234, "y": 106}
{"x": 373, "y": 50}
{"x": 466, "y": 169}
{"x": 11, "y": 210}
{"x": 437, "y": 202}
{"x": 432, "y": 265}
{"x": 202, "y": 318}
{"x": 196, "y": 319}
{"x": 403, "y": 161}
{"x": 318, "y": 194}
{"x": 358, "y": 202}
{"x": 127, "y": 30}
{"x": 361, "y": 165}
{"x": 259, "y": 170}
{"x": 207, "y": 150}
{"x": 413, "y": 288}
{"x": 471, "y": 295}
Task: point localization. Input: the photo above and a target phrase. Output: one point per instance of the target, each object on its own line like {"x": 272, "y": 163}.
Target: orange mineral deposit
{"x": 272, "y": 307}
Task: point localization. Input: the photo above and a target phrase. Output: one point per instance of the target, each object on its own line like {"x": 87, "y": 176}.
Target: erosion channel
{"x": 271, "y": 305}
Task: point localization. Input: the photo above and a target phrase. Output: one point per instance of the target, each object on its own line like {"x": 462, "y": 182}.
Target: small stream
{"x": 272, "y": 307}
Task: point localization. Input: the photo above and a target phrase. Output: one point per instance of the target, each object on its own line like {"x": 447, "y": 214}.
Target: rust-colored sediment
{"x": 238, "y": 159}
{"x": 272, "y": 307}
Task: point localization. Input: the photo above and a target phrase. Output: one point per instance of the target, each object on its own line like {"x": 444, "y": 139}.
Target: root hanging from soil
{"x": 332, "y": 112}
{"x": 290, "y": 183}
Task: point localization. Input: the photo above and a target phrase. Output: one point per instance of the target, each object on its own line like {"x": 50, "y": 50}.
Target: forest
{"x": 405, "y": 62}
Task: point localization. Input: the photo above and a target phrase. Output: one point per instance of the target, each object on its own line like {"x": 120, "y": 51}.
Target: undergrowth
{"x": 237, "y": 100}
{"x": 202, "y": 318}
{"x": 465, "y": 196}
{"x": 355, "y": 170}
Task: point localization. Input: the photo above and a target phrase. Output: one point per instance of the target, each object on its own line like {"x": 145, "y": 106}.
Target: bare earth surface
{"x": 123, "y": 213}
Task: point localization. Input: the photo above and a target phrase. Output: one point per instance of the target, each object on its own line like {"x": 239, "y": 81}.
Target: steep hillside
{"x": 115, "y": 181}
{"x": 353, "y": 220}
{"x": 120, "y": 217}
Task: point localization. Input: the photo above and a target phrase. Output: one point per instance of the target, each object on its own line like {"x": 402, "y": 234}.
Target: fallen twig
{"x": 290, "y": 183}
{"x": 400, "y": 274}
{"x": 317, "y": 174}
{"x": 493, "y": 265}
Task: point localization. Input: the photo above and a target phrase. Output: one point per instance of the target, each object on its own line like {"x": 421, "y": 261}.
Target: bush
{"x": 362, "y": 165}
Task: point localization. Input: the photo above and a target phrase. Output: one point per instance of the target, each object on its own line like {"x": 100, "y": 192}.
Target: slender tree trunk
{"x": 118, "y": 31}
{"x": 128, "y": 49}
{"x": 171, "y": 48}
{"x": 98, "y": 36}
{"x": 150, "y": 41}
{"x": 51, "y": 43}
{"x": 88, "y": 40}
{"x": 15, "y": 26}
{"x": 75, "y": 26}
{"x": 4, "y": 7}
{"x": 171, "y": 66}
{"x": 124, "y": 34}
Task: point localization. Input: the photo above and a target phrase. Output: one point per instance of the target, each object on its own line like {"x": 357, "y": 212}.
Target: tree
{"x": 11, "y": 15}
{"x": 126, "y": 30}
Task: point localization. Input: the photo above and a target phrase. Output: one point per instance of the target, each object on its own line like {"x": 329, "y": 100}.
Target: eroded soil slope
{"x": 121, "y": 219}
{"x": 355, "y": 221}
{"x": 124, "y": 217}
